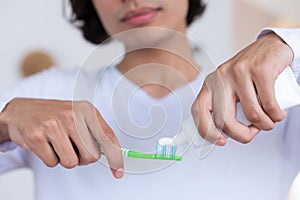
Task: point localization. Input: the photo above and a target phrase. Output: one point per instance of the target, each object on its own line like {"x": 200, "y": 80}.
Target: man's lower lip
{"x": 141, "y": 19}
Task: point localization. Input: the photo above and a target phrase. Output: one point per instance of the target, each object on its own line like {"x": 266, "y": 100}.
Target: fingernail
{"x": 119, "y": 173}
{"x": 221, "y": 142}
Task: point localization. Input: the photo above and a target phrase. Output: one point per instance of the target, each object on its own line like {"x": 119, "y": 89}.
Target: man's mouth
{"x": 140, "y": 16}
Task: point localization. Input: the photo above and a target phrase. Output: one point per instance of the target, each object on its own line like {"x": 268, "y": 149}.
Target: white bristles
{"x": 166, "y": 147}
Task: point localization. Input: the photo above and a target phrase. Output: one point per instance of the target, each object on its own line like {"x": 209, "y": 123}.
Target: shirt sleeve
{"x": 13, "y": 159}
{"x": 291, "y": 36}
{"x": 7, "y": 146}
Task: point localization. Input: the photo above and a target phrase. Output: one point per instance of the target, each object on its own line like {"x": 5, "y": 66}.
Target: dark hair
{"x": 84, "y": 17}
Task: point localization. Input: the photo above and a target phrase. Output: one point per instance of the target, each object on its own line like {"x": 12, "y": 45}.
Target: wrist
{"x": 278, "y": 47}
{"x": 3, "y": 133}
{"x": 291, "y": 36}
{"x": 275, "y": 39}
{"x": 4, "y": 136}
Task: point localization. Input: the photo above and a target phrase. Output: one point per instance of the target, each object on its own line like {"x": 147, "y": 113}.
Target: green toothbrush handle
{"x": 133, "y": 154}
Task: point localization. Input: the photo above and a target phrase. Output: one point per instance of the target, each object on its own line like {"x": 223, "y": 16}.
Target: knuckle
{"x": 270, "y": 106}
{"x": 280, "y": 118}
{"x": 269, "y": 126}
{"x": 201, "y": 131}
{"x": 203, "y": 134}
{"x": 35, "y": 137}
{"x": 199, "y": 106}
{"x": 49, "y": 123}
{"x": 91, "y": 158}
{"x": 209, "y": 80}
{"x": 64, "y": 115}
{"x": 253, "y": 116}
{"x": 70, "y": 163}
{"x": 239, "y": 68}
{"x": 227, "y": 126}
{"x": 208, "y": 134}
{"x": 222, "y": 69}
{"x": 86, "y": 105}
{"x": 51, "y": 163}
{"x": 195, "y": 109}
{"x": 210, "y": 76}
{"x": 245, "y": 139}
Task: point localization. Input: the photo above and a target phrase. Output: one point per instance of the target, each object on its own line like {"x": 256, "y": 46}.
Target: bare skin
{"x": 62, "y": 132}
{"x": 248, "y": 75}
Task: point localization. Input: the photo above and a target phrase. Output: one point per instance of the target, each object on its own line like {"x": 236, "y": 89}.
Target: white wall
{"x": 38, "y": 24}
{"x": 215, "y": 30}
{"x": 286, "y": 8}
{"x": 34, "y": 25}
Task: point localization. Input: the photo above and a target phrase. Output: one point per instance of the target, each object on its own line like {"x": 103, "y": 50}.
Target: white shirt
{"x": 263, "y": 169}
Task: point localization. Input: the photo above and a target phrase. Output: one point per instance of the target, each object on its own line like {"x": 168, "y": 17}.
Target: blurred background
{"x": 35, "y": 35}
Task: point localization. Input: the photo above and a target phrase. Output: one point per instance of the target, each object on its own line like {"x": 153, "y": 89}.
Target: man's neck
{"x": 159, "y": 71}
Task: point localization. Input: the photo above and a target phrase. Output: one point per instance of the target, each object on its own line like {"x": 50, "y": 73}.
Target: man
{"x": 49, "y": 122}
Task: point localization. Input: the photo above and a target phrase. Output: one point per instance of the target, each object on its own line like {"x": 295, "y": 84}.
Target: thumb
{"x": 109, "y": 144}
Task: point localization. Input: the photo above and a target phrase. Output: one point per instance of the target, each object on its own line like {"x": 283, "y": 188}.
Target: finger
{"x": 109, "y": 143}
{"x": 64, "y": 149}
{"x": 87, "y": 147}
{"x": 266, "y": 93}
{"x": 37, "y": 143}
{"x": 221, "y": 97}
{"x": 45, "y": 152}
{"x": 224, "y": 109}
{"x": 232, "y": 127}
{"x": 202, "y": 114}
{"x": 251, "y": 106}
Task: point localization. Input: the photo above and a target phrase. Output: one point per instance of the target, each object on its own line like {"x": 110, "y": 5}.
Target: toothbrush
{"x": 157, "y": 156}
{"x": 133, "y": 154}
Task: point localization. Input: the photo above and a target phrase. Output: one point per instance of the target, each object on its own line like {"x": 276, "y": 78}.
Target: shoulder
{"x": 58, "y": 76}
{"x": 55, "y": 73}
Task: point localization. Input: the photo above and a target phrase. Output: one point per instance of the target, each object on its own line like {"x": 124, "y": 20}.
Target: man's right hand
{"x": 64, "y": 132}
